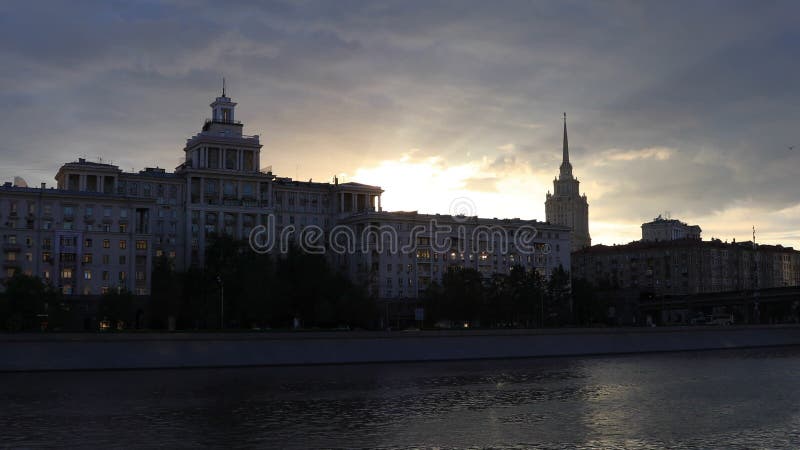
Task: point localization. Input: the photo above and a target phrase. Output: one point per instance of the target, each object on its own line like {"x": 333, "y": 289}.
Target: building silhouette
{"x": 566, "y": 206}
{"x": 666, "y": 229}
{"x": 101, "y": 228}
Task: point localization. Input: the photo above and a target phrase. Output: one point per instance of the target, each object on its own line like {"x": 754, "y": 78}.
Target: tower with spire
{"x": 566, "y": 206}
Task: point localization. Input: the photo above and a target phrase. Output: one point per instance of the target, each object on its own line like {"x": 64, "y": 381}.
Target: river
{"x": 708, "y": 399}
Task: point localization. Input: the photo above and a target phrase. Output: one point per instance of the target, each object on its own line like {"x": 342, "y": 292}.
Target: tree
{"x": 588, "y": 307}
{"x": 117, "y": 305}
{"x": 25, "y": 299}
{"x": 558, "y": 308}
{"x": 165, "y": 294}
{"x": 460, "y": 297}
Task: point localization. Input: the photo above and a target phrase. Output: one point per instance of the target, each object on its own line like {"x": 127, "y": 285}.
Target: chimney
{"x": 44, "y": 185}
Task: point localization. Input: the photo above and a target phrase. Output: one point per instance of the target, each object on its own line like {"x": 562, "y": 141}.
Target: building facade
{"x": 688, "y": 266}
{"x": 427, "y": 245}
{"x": 566, "y": 206}
{"x": 661, "y": 229}
{"x": 101, "y": 228}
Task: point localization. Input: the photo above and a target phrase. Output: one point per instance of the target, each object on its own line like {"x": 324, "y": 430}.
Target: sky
{"x": 680, "y": 108}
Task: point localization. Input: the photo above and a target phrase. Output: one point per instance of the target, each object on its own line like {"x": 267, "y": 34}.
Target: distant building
{"x": 687, "y": 266}
{"x": 566, "y": 206}
{"x": 661, "y": 229}
{"x": 486, "y": 245}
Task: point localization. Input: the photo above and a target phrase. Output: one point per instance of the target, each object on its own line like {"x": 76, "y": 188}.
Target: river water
{"x": 713, "y": 399}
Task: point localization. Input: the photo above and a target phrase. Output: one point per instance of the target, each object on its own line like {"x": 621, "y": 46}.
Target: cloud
{"x": 688, "y": 107}
{"x": 657, "y": 153}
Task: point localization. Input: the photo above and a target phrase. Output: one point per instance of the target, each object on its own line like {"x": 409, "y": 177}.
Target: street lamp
{"x": 221, "y": 302}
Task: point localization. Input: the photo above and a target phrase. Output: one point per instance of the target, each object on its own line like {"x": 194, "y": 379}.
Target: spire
{"x": 566, "y": 167}
{"x": 566, "y": 143}
{"x": 223, "y": 88}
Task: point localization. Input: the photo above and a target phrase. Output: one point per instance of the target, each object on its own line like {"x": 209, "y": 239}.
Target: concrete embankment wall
{"x": 25, "y": 352}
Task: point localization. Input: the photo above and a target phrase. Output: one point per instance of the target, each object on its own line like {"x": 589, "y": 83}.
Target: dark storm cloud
{"x": 713, "y": 82}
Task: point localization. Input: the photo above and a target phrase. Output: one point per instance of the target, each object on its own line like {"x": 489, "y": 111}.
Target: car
{"x": 699, "y": 320}
{"x": 721, "y": 319}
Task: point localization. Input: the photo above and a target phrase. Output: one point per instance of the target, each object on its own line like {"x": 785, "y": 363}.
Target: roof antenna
{"x": 223, "y": 86}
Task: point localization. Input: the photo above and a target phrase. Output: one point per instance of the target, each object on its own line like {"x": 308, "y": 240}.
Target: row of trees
{"x": 257, "y": 290}
{"x": 521, "y": 298}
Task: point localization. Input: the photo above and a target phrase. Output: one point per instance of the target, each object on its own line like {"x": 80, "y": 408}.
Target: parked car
{"x": 721, "y": 319}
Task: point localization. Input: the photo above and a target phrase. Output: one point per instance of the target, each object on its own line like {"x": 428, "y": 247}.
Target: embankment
{"x": 57, "y": 351}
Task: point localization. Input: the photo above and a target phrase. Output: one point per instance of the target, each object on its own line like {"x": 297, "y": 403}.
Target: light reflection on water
{"x": 730, "y": 399}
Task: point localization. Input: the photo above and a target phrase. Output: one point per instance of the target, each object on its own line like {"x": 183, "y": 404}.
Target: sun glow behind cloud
{"x": 430, "y": 185}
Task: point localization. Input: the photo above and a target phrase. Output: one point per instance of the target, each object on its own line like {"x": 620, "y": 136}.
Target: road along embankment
{"x": 86, "y": 351}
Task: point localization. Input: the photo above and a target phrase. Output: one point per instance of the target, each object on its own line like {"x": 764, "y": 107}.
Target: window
{"x": 66, "y": 273}
{"x": 68, "y": 211}
{"x": 105, "y": 259}
{"x": 87, "y": 258}
{"x": 89, "y": 211}
{"x": 123, "y": 228}
{"x": 12, "y": 239}
{"x": 105, "y": 275}
{"x": 172, "y": 254}
{"x": 122, "y": 259}
{"x": 213, "y": 158}
{"x": 11, "y": 256}
{"x": 87, "y": 243}
{"x": 107, "y": 211}
{"x": 87, "y": 274}
{"x": 123, "y": 244}
{"x": 122, "y": 276}
{"x": 231, "y": 157}
{"x": 247, "y": 158}
{"x": 229, "y": 188}
{"x": 46, "y": 275}
{"x": 141, "y": 245}
{"x": 29, "y": 257}
{"x": 47, "y": 256}
{"x": 123, "y": 213}
{"x": 106, "y": 243}
{"x": 140, "y": 276}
